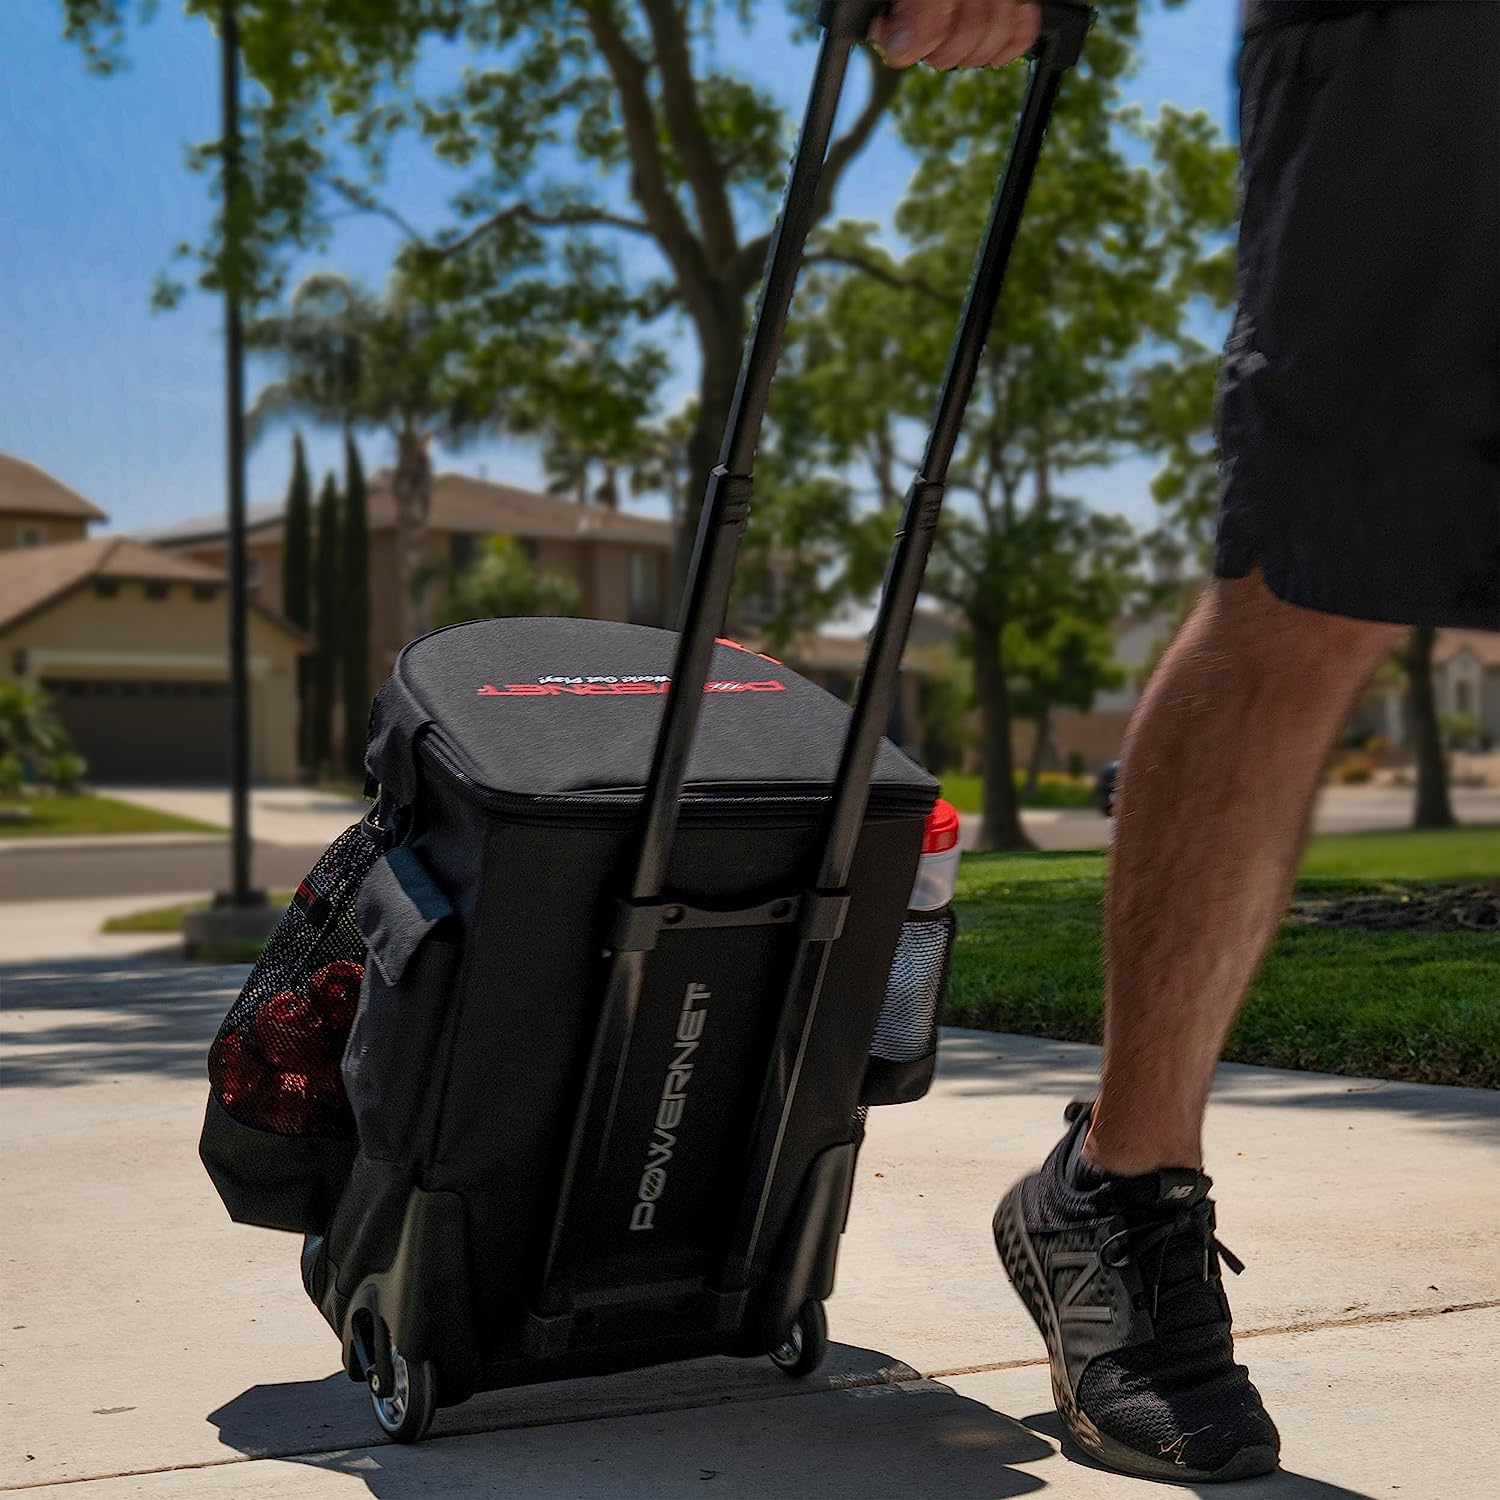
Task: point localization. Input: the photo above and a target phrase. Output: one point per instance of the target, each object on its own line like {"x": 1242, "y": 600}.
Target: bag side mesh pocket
{"x": 904, "y": 1052}
{"x": 274, "y": 1064}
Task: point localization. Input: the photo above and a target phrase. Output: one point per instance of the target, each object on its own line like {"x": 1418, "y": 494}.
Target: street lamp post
{"x": 240, "y": 893}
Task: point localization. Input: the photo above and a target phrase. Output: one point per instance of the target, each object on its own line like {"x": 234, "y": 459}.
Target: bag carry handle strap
{"x": 726, "y": 503}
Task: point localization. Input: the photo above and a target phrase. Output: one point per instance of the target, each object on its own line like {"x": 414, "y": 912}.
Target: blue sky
{"x": 125, "y": 404}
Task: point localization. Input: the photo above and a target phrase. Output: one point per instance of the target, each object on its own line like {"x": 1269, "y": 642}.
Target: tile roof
{"x": 31, "y": 577}
{"x": 462, "y": 503}
{"x": 1485, "y": 644}
{"x": 26, "y": 490}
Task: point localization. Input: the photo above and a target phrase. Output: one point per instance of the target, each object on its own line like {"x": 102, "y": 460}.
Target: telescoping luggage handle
{"x": 725, "y": 510}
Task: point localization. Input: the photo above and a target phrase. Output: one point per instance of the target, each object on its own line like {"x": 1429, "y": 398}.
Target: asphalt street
{"x": 137, "y": 869}
{"x": 143, "y": 869}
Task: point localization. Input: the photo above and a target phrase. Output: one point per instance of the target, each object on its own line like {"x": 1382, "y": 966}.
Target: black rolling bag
{"x": 622, "y": 923}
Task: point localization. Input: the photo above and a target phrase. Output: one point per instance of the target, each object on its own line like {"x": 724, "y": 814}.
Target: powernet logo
{"x": 611, "y": 687}
{"x": 690, "y": 1023}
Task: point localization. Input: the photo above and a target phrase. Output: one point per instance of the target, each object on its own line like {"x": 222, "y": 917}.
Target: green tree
{"x": 1125, "y": 232}
{"x": 502, "y": 582}
{"x": 327, "y": 611}
{"x": 354, "y": 625}
{"x": 944, "y": 698}
{"x": 296, "y": 553}
{"x": 34, "y": 745}
{"x": 601, "y": 124}
{"x": 1434, "y": 807}
{"x": 1067, "y": 665}
{"x": 296, "y": 581}
{"x": 357, "y": 360}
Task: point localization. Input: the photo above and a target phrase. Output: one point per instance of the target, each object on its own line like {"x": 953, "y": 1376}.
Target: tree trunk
{"x": 1000, "y": 827}
{"x": 1038, "y": 750}
{"x": 411, "y": 485}
{"x": 721, "y": 362}
{"x": 1433, "y": 809}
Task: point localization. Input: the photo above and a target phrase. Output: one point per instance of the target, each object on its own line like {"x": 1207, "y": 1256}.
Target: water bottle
{"x": 937, "y": 870}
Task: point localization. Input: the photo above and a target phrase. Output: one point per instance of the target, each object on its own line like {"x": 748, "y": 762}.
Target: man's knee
{"x": 1329, "y": 647}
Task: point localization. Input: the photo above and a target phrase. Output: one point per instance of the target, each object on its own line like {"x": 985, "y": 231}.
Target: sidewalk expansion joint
{"x": 894, "y": 1374}
{"x": 1315, "y": 1325}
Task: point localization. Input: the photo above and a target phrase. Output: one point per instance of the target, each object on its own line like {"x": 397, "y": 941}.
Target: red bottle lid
{"x": 941, "y": 833}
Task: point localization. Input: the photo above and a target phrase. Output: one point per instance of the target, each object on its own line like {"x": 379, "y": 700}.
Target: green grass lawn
{"x": 966, "y": 791}
{"x": 169, "y": 918}
{"x": 86, "y": 814}
{"x": 1409, "y": 1005}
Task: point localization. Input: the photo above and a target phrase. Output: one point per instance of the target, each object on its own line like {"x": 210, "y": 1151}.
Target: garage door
{"x": 147, "y": 731}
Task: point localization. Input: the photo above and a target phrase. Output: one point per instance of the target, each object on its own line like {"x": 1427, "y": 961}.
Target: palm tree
{"x": 384, "y": 362}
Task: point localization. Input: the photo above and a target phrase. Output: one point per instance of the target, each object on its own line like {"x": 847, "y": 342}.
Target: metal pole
{"x": 240, "y": 892}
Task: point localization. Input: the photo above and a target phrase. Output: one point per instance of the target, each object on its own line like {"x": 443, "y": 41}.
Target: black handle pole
{"x": 725, "y": 507}
{"x": 240, "y": 892}
{"x": 727, "y": 501}
{"x": 1054, "y": 53}
{"x": 924, "y": 498}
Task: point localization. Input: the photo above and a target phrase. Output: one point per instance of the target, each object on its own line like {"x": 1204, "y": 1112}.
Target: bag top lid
{"x": 548, "y": 707}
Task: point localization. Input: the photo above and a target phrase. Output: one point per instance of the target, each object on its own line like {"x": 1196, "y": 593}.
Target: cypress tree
{"x": 296, "y": 582}
{"x": 296, "y": 550}
{"x": 327, "y": 606}
{"x": 355, "y": 624}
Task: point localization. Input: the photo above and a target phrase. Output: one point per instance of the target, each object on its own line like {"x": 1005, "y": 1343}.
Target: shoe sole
{"x": 1023, "y": 1266}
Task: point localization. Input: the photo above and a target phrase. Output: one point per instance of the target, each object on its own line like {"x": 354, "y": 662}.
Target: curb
{"x": 66, "y": 842}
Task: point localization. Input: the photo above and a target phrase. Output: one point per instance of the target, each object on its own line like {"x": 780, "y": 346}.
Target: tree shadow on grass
{"x": 76, "y": 1022}
{"x": 720, "y": 1428}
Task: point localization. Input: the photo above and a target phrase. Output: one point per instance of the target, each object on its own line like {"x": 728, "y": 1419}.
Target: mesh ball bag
{"x": 277, "y": 1108}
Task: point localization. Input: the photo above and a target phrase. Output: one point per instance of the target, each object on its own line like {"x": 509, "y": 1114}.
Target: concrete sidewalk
{"x": 154, "y": 1349}
{"x": 278, "y": 814}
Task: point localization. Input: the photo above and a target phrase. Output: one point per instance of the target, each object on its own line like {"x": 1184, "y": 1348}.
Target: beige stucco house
{"x": 131, "y": 643}
{"x": 36, "y": 509}
{"x": 620, "y": 563}
{"x": 130, "y": 646}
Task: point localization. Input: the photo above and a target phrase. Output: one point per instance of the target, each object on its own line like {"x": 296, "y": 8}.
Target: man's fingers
{"x": 972, "y": 21}
{"x": 1010, "y": 32}
{"x": 956, "y": 33}
{"x": 912, "y": 28}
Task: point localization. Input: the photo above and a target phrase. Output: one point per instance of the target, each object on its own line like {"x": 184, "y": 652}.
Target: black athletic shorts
{"x": 1360, "y": 397}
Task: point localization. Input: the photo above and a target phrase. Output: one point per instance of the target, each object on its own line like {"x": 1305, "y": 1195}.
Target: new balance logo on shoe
{"x": 1070, "y": 1307}
{"x": 1180, "y": 1194}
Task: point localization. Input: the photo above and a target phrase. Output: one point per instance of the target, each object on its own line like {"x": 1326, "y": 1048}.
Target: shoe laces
{"x": 1148, "y": 1242}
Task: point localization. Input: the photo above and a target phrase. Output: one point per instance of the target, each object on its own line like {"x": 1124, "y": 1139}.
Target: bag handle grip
{"x": 1065, "y": 23}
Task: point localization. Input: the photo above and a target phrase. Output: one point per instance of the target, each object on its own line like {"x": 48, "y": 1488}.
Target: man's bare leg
{"x": 1221, "y": 764}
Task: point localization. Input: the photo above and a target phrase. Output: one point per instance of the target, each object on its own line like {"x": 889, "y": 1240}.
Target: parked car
{"x": 1104, "y": 788}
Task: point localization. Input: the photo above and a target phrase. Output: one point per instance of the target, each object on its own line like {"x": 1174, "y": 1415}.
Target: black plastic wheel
{"x": 806, "y": 1345}
{"x": 405, "y": 1411}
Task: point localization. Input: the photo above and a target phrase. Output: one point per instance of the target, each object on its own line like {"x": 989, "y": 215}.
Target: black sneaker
{"x": 1121, "y": 1275}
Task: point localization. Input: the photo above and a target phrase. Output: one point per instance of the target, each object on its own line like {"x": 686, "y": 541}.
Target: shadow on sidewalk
{"x": 82, "y": 1020}
{"x": 991, "y": 1063}
{"x": 759, "y": 1435}
{"x": 1283, "y": 1485}
{"x": 750, "y": 1437}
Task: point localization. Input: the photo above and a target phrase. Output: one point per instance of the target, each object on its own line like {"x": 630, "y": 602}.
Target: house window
{"x": 528, "y": 546}
{"x": 204, "y": 592}
{"x": 460, "y": 551}
{"x": 1463, "y": 698}
{"x": 33, "y": 536}
{"x": 252, "y": 575}
{"x": 645, "y": 588}
{"x": 106, "y": 588}
{"x": 156, "y": 591}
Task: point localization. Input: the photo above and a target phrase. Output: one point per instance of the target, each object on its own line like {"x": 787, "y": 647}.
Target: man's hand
{"x": 956, "y": 33}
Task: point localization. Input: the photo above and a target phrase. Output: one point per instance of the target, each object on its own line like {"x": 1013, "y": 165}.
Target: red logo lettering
{"x": 613, "y": 689}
